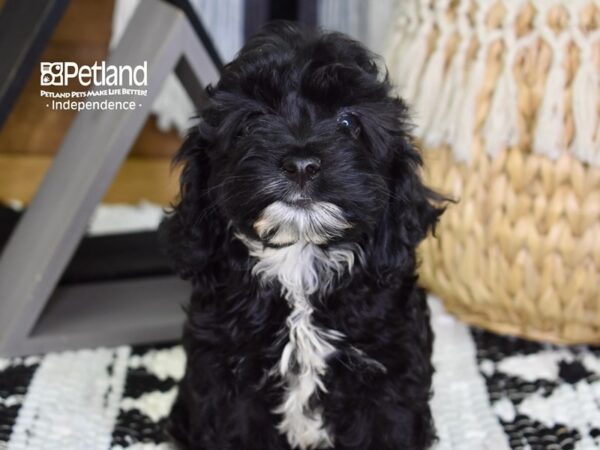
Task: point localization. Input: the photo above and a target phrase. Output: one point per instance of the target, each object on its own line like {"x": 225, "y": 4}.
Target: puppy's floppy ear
{"x": 193, "y": 234}
{"x": 412, "y": 209}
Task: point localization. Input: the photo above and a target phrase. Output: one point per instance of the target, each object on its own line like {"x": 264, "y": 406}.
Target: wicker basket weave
{"x": 513, "y": 135}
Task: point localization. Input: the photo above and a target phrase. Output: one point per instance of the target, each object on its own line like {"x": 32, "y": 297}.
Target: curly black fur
{"x": 285, "y": 92}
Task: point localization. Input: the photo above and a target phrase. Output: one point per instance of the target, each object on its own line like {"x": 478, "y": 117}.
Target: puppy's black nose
{"x": 301, "y": 168}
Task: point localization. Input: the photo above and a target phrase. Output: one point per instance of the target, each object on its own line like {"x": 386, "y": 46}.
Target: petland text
{"x": 98, "y": 74}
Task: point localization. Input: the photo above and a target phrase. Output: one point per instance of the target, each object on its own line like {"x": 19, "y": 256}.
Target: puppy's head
{"x": 301, "y": 140}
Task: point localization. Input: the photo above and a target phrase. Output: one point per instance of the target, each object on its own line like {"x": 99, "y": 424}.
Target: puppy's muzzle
{"x": 317, "y": 222}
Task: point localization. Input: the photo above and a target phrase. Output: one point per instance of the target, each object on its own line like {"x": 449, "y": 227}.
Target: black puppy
{"x": 301, "y": 207}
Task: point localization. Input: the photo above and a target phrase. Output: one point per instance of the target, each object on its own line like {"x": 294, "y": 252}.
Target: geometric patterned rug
{"x": 491, "y": 393}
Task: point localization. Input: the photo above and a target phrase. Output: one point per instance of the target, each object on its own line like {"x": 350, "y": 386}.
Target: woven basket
{"x": 505, "y": 95}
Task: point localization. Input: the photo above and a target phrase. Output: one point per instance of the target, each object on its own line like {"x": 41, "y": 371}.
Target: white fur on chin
{"x": 303, "y": 269}
{"x": 318, "y": 222}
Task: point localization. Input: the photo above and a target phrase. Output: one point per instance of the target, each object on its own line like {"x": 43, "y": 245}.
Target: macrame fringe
{"x": 445, "y": 100}
{"x": 548, "y": 137}
{"x": 461, "y": 140}
{"x": 426, "y": 100}
{"x": 501, "y": 129}
{"x": 549, "y": 131}
{"x": 443, "y": 121}
{"x": 585, "y": 113}
{"x": 397, "y": 44}
{"x": 416, "y": 53}
{"x": 585, "y": 91}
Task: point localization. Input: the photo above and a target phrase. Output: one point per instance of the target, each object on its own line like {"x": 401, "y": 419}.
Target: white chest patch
{"x": 303, "y": 269}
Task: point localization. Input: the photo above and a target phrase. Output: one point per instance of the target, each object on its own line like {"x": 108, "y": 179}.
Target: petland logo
{"x": 99, "y": 74}
{"x": 102, "y": 87}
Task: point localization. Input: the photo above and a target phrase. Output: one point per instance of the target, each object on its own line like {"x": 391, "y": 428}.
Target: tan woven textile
{"x": 506, "y": 98}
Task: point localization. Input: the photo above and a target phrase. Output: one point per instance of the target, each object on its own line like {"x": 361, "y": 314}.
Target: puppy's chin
{"x": 314, "y": 222}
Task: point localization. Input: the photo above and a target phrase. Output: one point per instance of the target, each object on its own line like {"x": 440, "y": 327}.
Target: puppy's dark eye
{"x": 348, "y": 123}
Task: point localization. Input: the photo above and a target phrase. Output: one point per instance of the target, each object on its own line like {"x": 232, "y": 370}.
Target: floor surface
{"x": 491, "y": 393}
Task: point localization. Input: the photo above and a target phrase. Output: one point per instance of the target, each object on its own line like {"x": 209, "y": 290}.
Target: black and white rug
{"x": 491, "y": 393}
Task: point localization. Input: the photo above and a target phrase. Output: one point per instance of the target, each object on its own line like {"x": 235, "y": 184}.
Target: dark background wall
{"x": 258, "y": 12}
